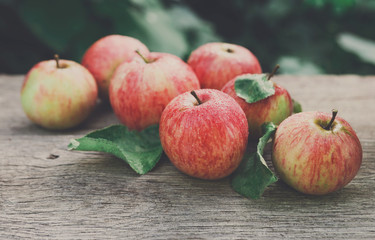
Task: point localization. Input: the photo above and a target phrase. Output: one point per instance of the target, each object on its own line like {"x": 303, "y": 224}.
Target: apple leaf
{"x": 253, "y": 87}
{"x": 148, "y": 21}
{"x": 253, "y": 176}
{"x": 297, "y": 107}
{"x": 48, "y": 21}
{"x": 141, "y": 150}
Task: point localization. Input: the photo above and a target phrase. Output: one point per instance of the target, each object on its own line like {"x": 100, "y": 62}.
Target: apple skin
{"x": 58, "y": 98}
{"x": 313, "y": 160}
{"x": 205, "y": 141}
{"x": 140, "y": 91}
{"x": 103, "y": 57}
{"x": 217, "y": 63}
{"x": 274, "y": 108}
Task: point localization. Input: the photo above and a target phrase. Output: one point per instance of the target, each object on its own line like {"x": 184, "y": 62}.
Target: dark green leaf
{"x": 148, "y": 21}
{"x": 197, "y": 31}
{"x": 338, "y": 5}
{"x": 141, "y": 150}
{"x": 362, "y": 47}
{"x": 253, "y": 87}
{"x": 297, "y": 107}
{"x": 253, "y": 176}
{"x": 54, "y": 22}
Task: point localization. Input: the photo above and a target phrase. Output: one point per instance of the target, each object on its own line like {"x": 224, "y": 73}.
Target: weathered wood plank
{"x": 82, "y": 195}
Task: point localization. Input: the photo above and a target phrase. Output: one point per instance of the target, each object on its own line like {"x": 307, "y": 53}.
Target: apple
{"x": 217, "y": 63}
{"x": 315, "y": 153}
{"x": 204, "y": 133}
{"x": 141, "y": 89}
{"x": 274, "y": 108}
{"x": 58, "y": 94}
{"x": 103, "y": 57}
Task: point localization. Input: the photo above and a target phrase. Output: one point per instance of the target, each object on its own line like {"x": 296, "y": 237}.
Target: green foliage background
{"x": 304, "y": 37}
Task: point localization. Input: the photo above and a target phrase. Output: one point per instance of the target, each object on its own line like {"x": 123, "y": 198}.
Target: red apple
{"x": 58, "y": 94}
{"x": 316, "y": 153}
{"x": 274, "y": 108}
{"x": 217, "y": 63}
{"x": 140, "y": 90}
{"x": 204, "y": 136}
{"x": 103, "y": 57}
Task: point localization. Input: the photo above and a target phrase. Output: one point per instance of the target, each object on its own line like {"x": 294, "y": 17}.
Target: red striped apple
{"x": 103, "y": 57}
{"x": 274, "y": 108}
{"x": 58, "y": 94}
{"x": 204, "y": 133}
{"x": 217, "y": 63}
{"x": 141, "y": 89}
{"x": 315, "y": 153}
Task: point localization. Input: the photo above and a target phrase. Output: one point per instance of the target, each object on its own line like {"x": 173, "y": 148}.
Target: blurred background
{"x": 303, "y": 36}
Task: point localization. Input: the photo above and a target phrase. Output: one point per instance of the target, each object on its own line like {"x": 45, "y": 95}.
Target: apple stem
{"x": 229, "y": 50}
{"x": 273, "y": 71}
{"x": 143, "y": 57}
{"x": 196, "y": 97}
{"x": 329, "y": 125}
{"x": 57, "y": 59}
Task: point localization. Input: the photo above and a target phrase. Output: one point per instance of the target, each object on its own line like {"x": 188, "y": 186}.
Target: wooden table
{"x": 90, "y": 195}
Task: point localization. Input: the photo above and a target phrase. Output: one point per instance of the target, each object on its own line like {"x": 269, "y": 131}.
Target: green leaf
{"x": 253, "y": 87}
{"x": 55, "y": 23}
{"x": 253, "y": 176}
{"x": 141, "y": 150}
{"x": 338, "y": 6}
{"x": 297, "y": 107}
{"x": 147, "y": 20}
{"x": 197, "y": 31}
{"x": 298, "y": 66}
{"x": 362, "y": 47}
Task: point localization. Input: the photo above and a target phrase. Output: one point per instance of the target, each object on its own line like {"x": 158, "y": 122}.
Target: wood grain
{"x": 88, "y": 195}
